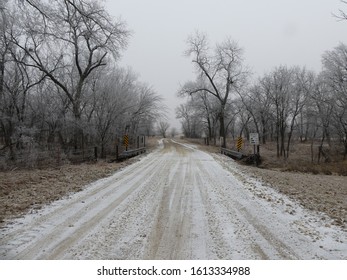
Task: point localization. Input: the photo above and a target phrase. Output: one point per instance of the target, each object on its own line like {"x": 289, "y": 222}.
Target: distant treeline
{"x": 286, "y": 104}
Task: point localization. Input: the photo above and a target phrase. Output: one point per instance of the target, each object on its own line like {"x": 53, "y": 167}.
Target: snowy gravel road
{"x": 175, "y": 203}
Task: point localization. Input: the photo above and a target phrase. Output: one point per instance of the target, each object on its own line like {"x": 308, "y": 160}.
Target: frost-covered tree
{"x": 162, "y": 128}
{"x": 67, "y": 41}
{"x": 220, "y": 72}
{"x": 335, "y": 75}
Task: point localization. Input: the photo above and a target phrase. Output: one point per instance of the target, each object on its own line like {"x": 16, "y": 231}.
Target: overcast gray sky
{"x": 272, "y": 33}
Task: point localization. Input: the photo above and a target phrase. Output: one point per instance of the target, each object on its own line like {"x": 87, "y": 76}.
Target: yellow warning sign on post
{"x": 126, "y": 140}
{"x": 239, "y": 143}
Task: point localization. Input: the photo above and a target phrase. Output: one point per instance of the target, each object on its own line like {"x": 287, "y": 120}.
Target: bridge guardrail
{"x": 131, "y": 153}
{"x": 231, "y": 153}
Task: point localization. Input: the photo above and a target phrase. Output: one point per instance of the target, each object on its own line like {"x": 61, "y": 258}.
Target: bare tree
{"x": 207, "y": 109}
{"x": 323, "y": 101}
{"x": 148, "y": 107}
{"x": 69, "y": 43}
{"x": 303, "y": 84}
{"x": 335, "y": 73}
{"x": 4, "y": 44}
{"x": 277, "y": 85}
{"x": 220, "y": 73}
{"x": 191, "y": 119}
{"x": 114, "y": 99}
{"x": 287, "y": 90}
{"x": 257, "y": 103}
{"x": 173, "y": 132}
{"x": 279, "y": 97}
{"x": 342, "y": 14}
{"x": 182, "y": 113}
{"x": 163, "y": 126}
{"x": 16, "y": 82}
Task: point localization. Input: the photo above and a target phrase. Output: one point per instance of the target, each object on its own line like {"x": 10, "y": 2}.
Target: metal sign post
{"x": 254, "y": 140}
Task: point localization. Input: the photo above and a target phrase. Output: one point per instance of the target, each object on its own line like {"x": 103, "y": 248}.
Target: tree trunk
{"x": 209, "y": 129}
{"x": 290, "y": 134}
{"x": 312, "y": 154}
{"x": 103, "y": 155}
{"x": 288, "y": 142}
{"x": 278, "y": 139}
{"x": 320, "y": 148}
{"x": 2, "y": 72}
{"x": 222, "y": 129}
{"x": 264, "y": 131}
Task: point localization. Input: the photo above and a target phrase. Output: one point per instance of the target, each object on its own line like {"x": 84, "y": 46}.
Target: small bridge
{"x": 232, "y": 154}
{"x": 130, "y": 153}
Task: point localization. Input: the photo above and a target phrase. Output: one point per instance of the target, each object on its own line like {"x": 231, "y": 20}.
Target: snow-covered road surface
{"x": 175, "y": 203}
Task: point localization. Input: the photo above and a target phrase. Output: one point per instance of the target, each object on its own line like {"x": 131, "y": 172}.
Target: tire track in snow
{"x": 265, "y": 244}
{"x": 176, "y": 203}
{"x": 172, "y": 216}
{"x": 124, "y": 235}
{"x": 50, "y": 235}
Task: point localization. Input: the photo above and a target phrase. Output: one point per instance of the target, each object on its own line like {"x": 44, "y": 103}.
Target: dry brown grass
{"x": 300, "y": 157}
{"x": 28, "y": 190}
{"x": 322, "y": 193}
{"x": 22, "y": 190}
{"x": 299, "y": 160}
{"x": 318, "y": 187}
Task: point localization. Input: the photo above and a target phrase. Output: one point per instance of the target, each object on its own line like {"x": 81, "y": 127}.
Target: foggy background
{"x": 271, "y": 32}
